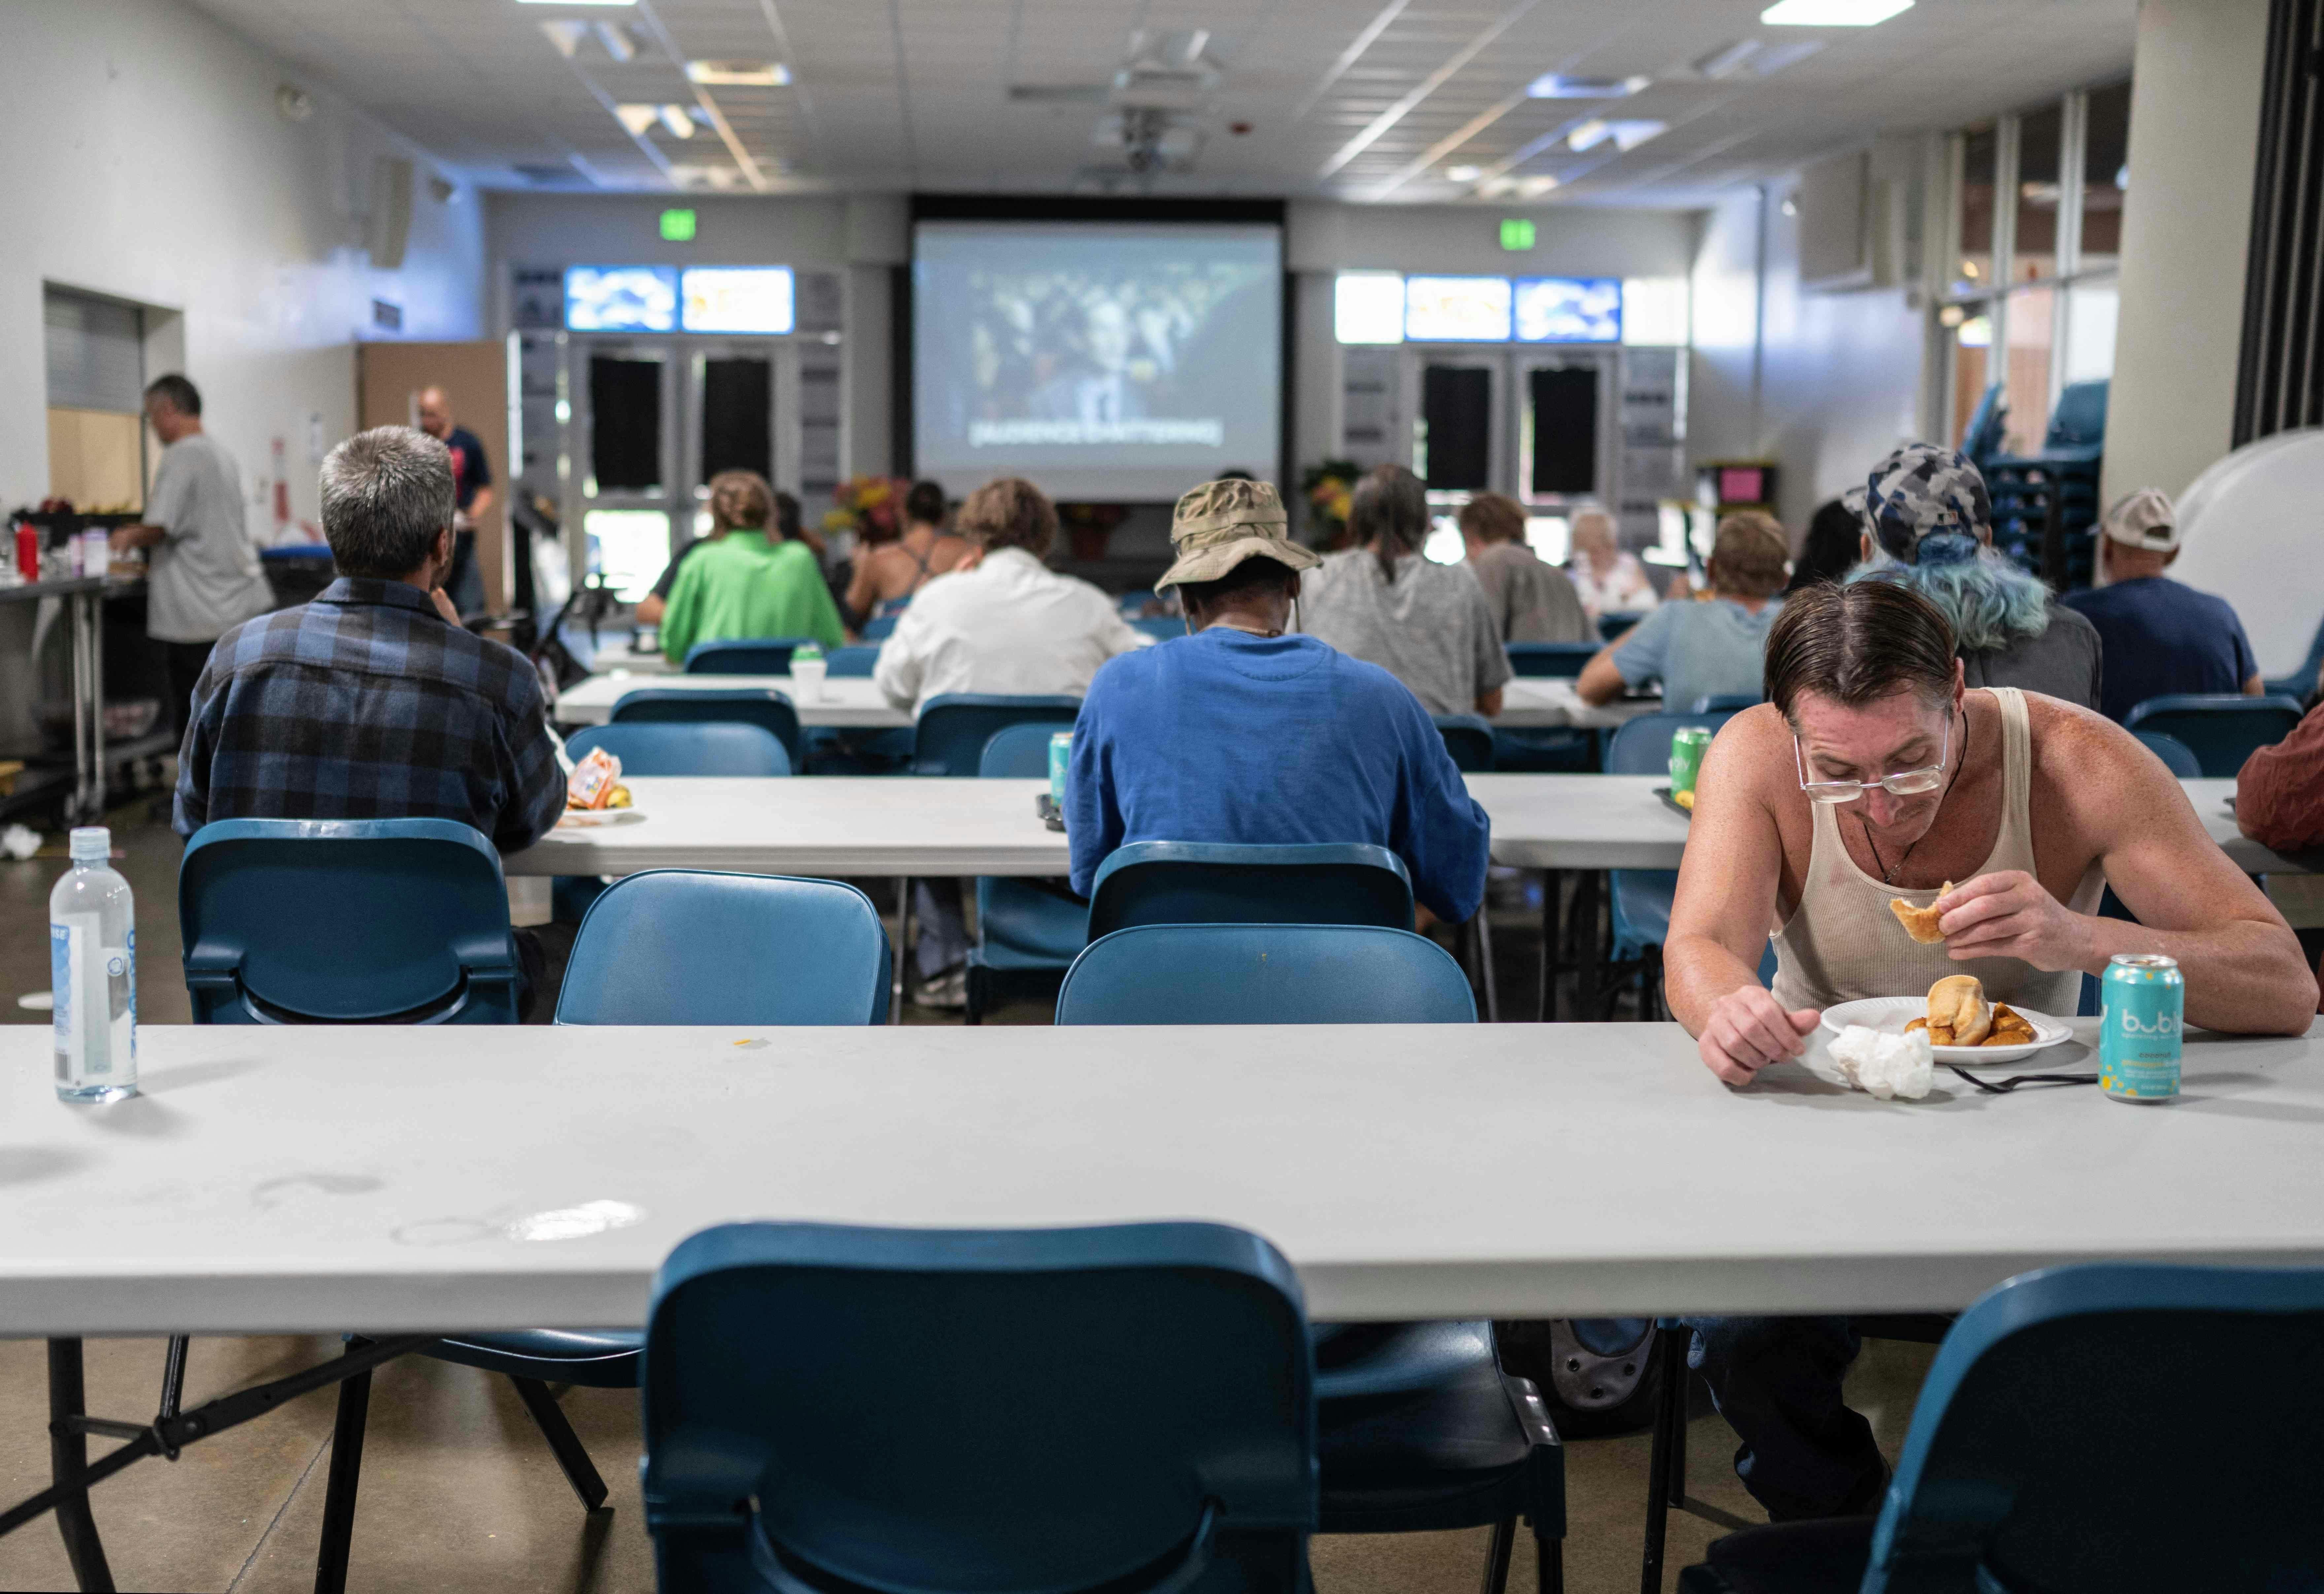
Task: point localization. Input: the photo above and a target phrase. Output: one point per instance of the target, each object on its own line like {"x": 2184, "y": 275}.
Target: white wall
{"x": 2194, "y": 137}
{"x": 145, "y": 160}
{"x": 1569, "y": 240}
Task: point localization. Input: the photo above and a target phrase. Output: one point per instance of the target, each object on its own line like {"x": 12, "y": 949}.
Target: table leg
{"x": 1552, "y": 960}
{"x": 903, "y": 947}
{"x": 67, "y": 1461}
{"x": 1589, "y": 956}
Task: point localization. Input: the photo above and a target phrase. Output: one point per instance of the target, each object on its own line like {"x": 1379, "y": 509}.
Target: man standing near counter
{"x": 472, "y": 479}
{"x": 203, "y": 577}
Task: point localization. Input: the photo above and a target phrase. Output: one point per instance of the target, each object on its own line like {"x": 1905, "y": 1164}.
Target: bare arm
{"x": 1600, "y": 683}
{"x": 1727, "y": 898}
{"x": 125, "y": 538}
{"x": 1489, "y": 704}
{"x": 2256, "y": 687}
{"x": 480, "y": 504}
{"x": 2243, "y": 965}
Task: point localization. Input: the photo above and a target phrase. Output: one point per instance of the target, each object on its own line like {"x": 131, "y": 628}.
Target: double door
{"x": 1534, "y": 422}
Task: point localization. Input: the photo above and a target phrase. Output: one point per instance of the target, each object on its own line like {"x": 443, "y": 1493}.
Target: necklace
{"x": 1888, "y": 873}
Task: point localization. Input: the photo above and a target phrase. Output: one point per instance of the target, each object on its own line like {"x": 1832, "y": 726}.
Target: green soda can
{"x": 1688, "y": 744}
{"x": 2145, "y": 1001}
{"x": 1061, "y": 753}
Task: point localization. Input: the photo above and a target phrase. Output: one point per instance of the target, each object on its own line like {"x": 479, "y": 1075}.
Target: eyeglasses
{"x": 1904, "y": 783}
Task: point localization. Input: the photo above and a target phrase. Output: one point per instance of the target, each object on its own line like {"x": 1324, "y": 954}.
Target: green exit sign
{"x": 678, "y": 227}
{"x": 1516, "y": 233}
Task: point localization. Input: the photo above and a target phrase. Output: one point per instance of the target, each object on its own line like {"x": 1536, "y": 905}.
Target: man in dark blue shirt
{"x": 1240, "y": 733}
{"x": 472, "y": 496}
{"x": 2159, "y": 636}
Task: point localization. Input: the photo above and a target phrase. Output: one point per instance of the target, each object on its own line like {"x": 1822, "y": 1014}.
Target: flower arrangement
{"x": 873, "y": 507}
{"x": 1330, "y": 487}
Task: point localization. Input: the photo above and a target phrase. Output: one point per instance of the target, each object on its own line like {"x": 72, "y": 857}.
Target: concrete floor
{"x": 459, "y": 1492}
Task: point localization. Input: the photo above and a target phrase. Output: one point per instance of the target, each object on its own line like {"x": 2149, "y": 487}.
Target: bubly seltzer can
{"x": 2138, "y": 1041}
{"x": 1688, "y": 744}
{"x": 1061, "y": 753}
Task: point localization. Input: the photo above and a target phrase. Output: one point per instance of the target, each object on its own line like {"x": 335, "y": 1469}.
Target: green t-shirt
{"x": 742, "y": 587}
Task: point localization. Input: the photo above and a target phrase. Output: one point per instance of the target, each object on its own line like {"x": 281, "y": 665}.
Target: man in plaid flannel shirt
{"x": 372, "y": 702}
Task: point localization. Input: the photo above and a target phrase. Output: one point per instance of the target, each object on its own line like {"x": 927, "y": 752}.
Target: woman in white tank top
{"x": 1873, "y": 773}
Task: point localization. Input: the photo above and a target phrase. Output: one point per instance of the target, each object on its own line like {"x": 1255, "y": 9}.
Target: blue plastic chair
{"x": 857, "y": 661}
{"x": 2063, "y": 1441}
{"x": 1126, "y": 1408}
{"x": 1419, "y": 1429}
{"x": 694, "y": 947}
{"x": 878, "y": 629}
{"x": 2301, "y": 682}
{"x": 1726, "y": 702}
{"x": 761, "y": 706}
{"x": 1611, "y": 626}
{"x": 1988, "y": 423}
{"x": 2176, "y": 755}
{"x": 1558, "y": 660}
{"x": 1162, "y": 628}
{"x": 1641, "y": 898}
{"x": 710, "y": 747}
{"x": 2222, "y": 730}
{"x": 1028, "y": 932}
{"x": 744, "y": 655}
{"x": 953, "y": 728}
{"x": 1131, "y": 602}
{"x": 1239, "y": 883}
{"x": 1468, "y": 738}
{"x": 346, "y": 921}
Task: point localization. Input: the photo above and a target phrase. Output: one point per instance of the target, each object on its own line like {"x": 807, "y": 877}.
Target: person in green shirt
{"x": 746, "y": 578}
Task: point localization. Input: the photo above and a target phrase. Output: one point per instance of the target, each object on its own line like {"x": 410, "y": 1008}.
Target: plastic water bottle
{"x": 93, "y": 972}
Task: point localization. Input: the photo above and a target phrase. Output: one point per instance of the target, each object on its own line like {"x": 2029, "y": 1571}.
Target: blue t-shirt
{"x": 1224, "y": 736}
{"x": 2160, "y": 637}
{"x": 1713, "y": 648}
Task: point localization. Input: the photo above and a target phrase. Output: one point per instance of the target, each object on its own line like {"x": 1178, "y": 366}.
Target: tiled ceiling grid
{"x": 1360, "y": 100}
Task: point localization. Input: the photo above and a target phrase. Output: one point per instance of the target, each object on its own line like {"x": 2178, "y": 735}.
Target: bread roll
{"x": 1920, "y": 923}
{"x": 1957, "y": 1003}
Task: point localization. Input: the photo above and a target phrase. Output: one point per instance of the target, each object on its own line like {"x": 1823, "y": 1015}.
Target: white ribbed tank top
{"x": 1843, "y": 943}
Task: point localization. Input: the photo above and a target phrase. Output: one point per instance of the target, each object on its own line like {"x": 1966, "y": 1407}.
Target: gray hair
{"x": 386, "y": 494}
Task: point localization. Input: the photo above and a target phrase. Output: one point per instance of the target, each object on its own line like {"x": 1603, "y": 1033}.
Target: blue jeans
{"x": 1777, "y": 1381}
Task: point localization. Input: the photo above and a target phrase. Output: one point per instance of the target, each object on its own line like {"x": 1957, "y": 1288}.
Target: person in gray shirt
{"x": 1427, "y": 624}
{"x": 1530, "y": 601}
{"x": 203, "y": 577}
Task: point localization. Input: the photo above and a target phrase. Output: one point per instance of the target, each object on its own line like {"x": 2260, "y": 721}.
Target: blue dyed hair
{"x": 1991, "y": 602}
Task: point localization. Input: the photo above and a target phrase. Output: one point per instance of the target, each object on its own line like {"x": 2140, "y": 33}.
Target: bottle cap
{"x": 92, "y": 844}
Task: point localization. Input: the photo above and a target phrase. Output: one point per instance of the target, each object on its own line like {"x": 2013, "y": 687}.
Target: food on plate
{"x": 1885, "y": 1065}
{"x": 2010, "y": 1028}
{"x": 1684, "y": 799}
{"x": 1920, "y": 923}
{"x": 1959, "y": 1015}
{"x": 619, "y": 797}
{"x": 595, "y": 778}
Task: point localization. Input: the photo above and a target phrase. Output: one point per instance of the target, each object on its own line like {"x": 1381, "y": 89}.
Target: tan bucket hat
{"x": 1219, "y": 524}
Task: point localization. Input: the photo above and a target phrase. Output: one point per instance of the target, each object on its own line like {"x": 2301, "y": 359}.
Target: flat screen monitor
{"x": 620, "y": 298}
{"x": 1569, "y": 310}
{"x": 754, "y": 299}
{"x": 1120, "y": 362}
{"x": 1456, "y": 309}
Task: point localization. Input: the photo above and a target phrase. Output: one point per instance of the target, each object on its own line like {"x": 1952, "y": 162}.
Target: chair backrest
{"x": 953, "y": 728}
{"x": 879, "y": 628}
{"x": 1726, "y": 702}
{"x": 857, "y": 660}
{"x": 2079, "y": 418}
{"x": 709, "y": 748}
{"x": 1468, "y": 738}
{"x": 1017, "y": 753}
{"x": 1611, "y": 626}
{"x": 1162, "y": 628}
{"x": 2223, "y": 730}
{"x": 321, "y": 921}
{"x": 1641, "y": 746}
{"x": 1988, "y": 423}
{"x": 762, "y": 707}
{"x": 744, "y": 655}
{"x": 1133, "y": 602}
{"x": 1236, "y": 883}
{"x": 689, "y": 946}
{"x": 2067, "y": 1438}
{"x": 1098, "y": 1401}
{"x": 1265, "y": 974}
{"x": 1560, "y": 660}
{"x": 2176, "y": 755}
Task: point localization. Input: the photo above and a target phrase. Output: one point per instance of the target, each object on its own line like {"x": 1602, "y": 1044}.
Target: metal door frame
{"x": 1604, "y": 358}
{"x": 1416, "y": 358}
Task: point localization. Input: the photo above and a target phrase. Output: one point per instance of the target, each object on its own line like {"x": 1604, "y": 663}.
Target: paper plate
{"x": 1890, "y": 1014}
{"x": 593, "y": 818}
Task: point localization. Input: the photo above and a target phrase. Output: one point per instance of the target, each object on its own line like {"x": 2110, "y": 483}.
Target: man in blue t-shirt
{"x": 1242, "y": 732}
{"x": 2159, "y": 636}
{"x": 472, "y": 496}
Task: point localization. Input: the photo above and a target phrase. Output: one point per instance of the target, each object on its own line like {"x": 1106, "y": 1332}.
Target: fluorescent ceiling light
{"x": 1625, "y": 135}
{"x": 638, "y": 118}
{"x": 1565, "y": 85}
{"x": 617, "y": 41}
{"x": 679, "y": 124}
{"x": 1727, "y": 62}
{"x": 1831, "y": 14}
{"x": 1589, "y": 136}
{"x": 739, "y": 74}
{"x": 1534, "y": 188}
{"x": 1464, "y": 173}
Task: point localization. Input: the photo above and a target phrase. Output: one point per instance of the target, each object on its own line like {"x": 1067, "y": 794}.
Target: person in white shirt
{"x": 1000, "y": 621}
{"x": 1608, "y": 577}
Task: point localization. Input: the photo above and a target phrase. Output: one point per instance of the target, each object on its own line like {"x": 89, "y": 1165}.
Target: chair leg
{"x": 1651, "y": 1007}
{"x": 1549, "y": 1564}
{"x": 67, "y": 1460}
{"x": 1497, "y": 1556}
{"x": 1663, "y": 1482}
{"x": 339, "y": 1490}
{"x": 579, "y": 1470}
{"x": 903, "y": 947}
{"x": 976, "y": 995}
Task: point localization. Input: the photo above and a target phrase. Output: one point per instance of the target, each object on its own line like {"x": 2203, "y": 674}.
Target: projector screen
{"x": 1116, "y": 361}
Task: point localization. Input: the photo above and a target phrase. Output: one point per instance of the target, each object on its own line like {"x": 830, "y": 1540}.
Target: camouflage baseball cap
{"x": 2144, "y": 519}
{"x": 1922, "y": 490}
{"x": 1219, "y": 524}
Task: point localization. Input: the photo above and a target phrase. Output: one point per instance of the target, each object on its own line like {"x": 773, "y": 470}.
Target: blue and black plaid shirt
{"x": 366, "y": 705}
